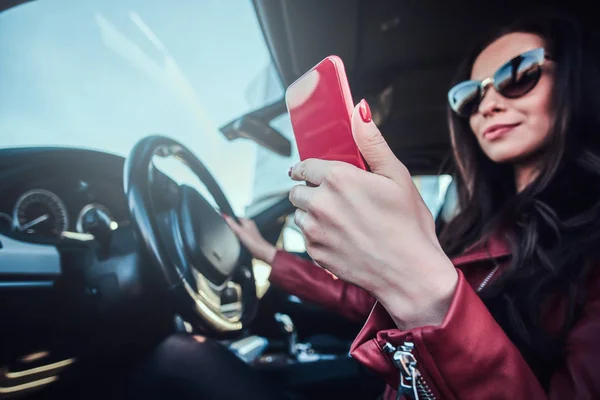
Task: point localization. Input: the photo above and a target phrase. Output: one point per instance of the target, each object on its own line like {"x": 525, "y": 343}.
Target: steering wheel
{"x": 201, "y": 260}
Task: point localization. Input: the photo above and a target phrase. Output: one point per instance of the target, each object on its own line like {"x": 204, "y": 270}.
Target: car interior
{"x": 103, "y": 255}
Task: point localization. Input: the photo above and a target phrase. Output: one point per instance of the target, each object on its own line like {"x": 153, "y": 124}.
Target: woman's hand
{"x": 250, "y": 236}
{"x": 374, "y": 230}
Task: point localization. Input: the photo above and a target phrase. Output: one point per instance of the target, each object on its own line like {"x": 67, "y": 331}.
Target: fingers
{"x": 300, "y": 196}
{"x": 313, "y": 171}
{"x": 232, "y": 224}
{"x": 245, "y": 230}
{"x": 300, "y": 217}
{"x": 247, "y": 223}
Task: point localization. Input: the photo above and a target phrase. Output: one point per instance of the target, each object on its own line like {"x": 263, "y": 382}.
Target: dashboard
{"x": 47, "y": 191}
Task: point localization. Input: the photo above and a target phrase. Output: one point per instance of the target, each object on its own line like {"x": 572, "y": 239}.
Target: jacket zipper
{"x": 489, "y": 276}
{"x": 412, "y": 384}
{"x": 487, "y": 279}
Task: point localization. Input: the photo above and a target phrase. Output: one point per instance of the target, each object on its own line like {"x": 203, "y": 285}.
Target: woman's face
{"x": 511, "y": 130}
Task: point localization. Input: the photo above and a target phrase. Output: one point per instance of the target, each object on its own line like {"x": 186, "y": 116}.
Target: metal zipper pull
{"x": 412, "y": 385}
{"x": 406, "y": 362}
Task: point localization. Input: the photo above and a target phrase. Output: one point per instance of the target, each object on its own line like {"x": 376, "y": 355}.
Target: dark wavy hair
{"x": 553, "y": 225}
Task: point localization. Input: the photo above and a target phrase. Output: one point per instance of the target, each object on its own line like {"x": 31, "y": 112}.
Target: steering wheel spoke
{"x": 167, "y": 224}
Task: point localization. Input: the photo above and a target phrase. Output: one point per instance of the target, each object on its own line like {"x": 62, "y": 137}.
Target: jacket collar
{"x": 495, "y": 247}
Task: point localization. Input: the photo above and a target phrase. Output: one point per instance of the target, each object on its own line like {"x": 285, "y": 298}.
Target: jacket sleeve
{"x": 312, "y": 283}
{"x": 470, "y": 357}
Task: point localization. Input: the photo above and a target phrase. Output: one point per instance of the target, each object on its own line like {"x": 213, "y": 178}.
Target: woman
{"x": 506, "y": 303}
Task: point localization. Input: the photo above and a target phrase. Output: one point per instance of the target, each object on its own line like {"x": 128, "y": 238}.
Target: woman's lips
{"x": 496, "y": 131}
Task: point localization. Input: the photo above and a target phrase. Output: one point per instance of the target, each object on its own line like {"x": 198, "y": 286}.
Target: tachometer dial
{"x": 40, "y": 212}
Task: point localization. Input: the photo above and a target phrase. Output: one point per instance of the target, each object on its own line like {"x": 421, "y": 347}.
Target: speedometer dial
{"x": 40, "y": 212}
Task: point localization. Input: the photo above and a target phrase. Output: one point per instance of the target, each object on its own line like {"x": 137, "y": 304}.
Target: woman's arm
{"x": 310, "y": 282}
{"x": 470, "y": 357}
{"x": 302, "y": 277}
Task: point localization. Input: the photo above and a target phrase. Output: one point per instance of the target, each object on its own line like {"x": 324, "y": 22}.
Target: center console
{"x": 260, "y": 353}
{"x": 317, "y": 368}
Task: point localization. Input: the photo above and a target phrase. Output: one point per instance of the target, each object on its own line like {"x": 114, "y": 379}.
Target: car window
{"x": 433, "y": 190}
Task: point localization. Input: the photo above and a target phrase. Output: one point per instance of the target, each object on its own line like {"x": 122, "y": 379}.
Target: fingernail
{"x": 365, "y": 111}
{"x": 290, "y": 172}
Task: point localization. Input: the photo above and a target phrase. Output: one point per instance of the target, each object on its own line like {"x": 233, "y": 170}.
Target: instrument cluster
{"x": 43, "y": 212}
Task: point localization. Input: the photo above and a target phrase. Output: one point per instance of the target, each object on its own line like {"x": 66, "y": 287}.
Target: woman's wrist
{"x": 427, "y": 305}
{"x": 267, "y": 254}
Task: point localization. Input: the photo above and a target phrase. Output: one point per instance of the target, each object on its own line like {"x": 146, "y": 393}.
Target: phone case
{"x": 320, "y": 106}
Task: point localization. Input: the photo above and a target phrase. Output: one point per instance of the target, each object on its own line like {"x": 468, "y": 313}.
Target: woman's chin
{"x": 506, "y": 154}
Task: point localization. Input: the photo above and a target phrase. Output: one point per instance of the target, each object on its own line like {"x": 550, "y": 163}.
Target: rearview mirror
{"x": 255, "y": 126}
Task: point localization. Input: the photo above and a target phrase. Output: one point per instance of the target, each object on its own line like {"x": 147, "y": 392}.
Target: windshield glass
{"x": 102, "y": 74}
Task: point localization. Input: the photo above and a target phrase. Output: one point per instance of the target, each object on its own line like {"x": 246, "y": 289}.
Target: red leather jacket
{"x": 467, "y": 357}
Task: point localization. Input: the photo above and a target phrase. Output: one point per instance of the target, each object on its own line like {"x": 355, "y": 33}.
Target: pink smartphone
{"x": 320, "y": 107}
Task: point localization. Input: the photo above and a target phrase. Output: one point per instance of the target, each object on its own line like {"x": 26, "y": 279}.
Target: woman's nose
{"x": 492, "y": 102}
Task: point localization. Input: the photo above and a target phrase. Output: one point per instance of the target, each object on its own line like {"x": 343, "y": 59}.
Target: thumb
{"x": 372, "y": 145}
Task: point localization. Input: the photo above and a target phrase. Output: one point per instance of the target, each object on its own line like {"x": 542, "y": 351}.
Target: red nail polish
{"x": 365, "y": 111}
{"x": 290, "y": 172}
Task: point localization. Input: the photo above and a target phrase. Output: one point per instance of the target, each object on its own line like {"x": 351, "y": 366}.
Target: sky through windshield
{"x": 103, "y": 74}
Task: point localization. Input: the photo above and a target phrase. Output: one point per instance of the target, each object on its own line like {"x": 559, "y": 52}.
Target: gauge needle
{"x": 36, "y": 221}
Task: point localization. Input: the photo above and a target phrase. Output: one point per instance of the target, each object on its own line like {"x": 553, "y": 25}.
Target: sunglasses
{"x": 512, "y": 80}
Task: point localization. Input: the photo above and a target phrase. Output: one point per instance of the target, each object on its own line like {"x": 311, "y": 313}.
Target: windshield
{"x": 103, "y": 74}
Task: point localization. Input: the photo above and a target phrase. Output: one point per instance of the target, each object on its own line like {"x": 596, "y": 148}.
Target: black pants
{"x": 178, "y": 368}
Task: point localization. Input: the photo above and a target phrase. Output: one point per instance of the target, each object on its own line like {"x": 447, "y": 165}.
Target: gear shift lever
{"x": 287, "y": 327}
{"x": 299, "y": 352}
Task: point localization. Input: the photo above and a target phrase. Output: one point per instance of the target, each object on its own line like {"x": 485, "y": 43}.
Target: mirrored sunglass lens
{"x": 464, "y": 98}
{"x": 518, "y": 77}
